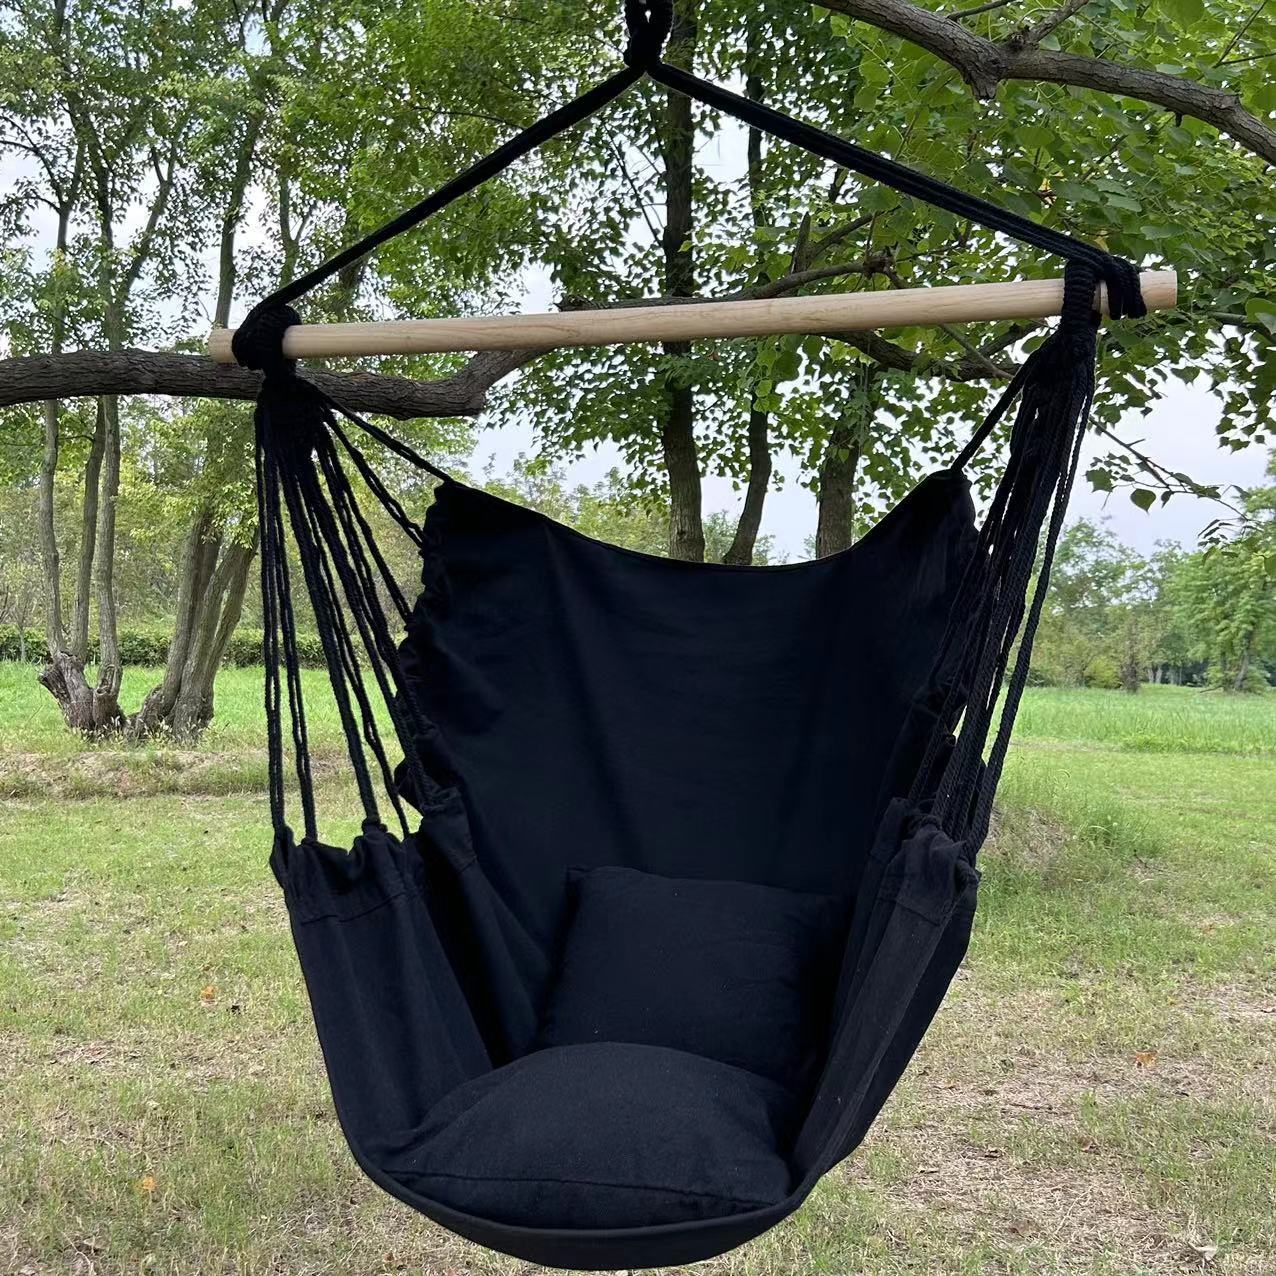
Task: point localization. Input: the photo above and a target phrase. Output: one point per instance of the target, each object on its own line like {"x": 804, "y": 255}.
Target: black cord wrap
{"x": 258, "y": 342}
{"x": 649, "y": 23}
{"x": 301, "y": 442}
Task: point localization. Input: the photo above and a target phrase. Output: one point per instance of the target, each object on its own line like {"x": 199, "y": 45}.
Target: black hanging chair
{"x": 693, "y": 857}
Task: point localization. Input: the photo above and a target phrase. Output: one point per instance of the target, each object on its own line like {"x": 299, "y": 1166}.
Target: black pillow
{"x": 604, "y": 1135}
{"x": 728, "y": 970}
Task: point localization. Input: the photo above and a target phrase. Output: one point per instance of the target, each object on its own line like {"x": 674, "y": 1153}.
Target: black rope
{"x": 530, "y": 139}
{"x": 1055, "y": 391}
{"x": 1125, "y": 298}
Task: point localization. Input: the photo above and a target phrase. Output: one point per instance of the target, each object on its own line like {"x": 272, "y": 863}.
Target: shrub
{"x": 11, "y": 647}
{"x": 142, "y": 644}
{"x": 1255, "y": 683}
{"x": 148, "y": 645}
{"x": 244, "y": 649}
{"x": 1103, "y": 672}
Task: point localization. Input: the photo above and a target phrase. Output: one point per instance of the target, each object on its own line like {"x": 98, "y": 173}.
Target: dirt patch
{"x": 1078, "y": 1217}
{"x": 1028, "y": 837}
{"x": 1026, "y": 1061}
{"x": 990, "y": 1140}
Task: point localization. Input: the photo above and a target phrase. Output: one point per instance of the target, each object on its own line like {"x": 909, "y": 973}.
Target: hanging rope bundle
{"x": 614, "y": 758}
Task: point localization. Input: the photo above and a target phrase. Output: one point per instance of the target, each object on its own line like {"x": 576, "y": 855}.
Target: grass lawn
{"x": 1097, "y": 1096}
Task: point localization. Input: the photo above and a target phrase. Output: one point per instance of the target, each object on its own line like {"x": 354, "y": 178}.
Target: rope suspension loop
{"x": 1125, "y": 296}
{"x": 649, "y": 23}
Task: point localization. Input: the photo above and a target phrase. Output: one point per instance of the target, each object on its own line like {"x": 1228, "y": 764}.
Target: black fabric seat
{"x": 777, "y": 762}
{"x": 596, "y": 707}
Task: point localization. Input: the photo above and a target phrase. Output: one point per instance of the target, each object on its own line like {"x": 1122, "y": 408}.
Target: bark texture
{"x": 835, "y": 526}
{"x": 82, "y": 373}
{"x": 677, "y": 429}
{"x": 743, "y": 543}
{"x": 985, "y": 64}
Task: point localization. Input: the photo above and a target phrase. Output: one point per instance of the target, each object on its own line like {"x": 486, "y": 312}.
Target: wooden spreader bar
{"x": 696, "y": 321}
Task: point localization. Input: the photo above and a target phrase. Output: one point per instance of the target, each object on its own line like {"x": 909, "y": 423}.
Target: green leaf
{"x": 1263, "y": 98}
{"x": 1075, "y": 192}
{"x": 1034, "y": 136}
{"x": 785, "y": 366}
{"x": 1262, "y": 310}
{"x": 1143, "y": 498}
{"x": 1100, "y": 480}
{"x": 1185, "y": 12}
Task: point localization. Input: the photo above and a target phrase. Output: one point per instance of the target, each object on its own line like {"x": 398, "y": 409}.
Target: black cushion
{"x": 729, "y": 970}
{"x": 605, "y": 1136}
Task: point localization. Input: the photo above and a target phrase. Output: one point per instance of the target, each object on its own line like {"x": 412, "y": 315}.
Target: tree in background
{"x": 1097, "y": 627}
{"x": 171, "y": 111}
{"x": 20, "y": 581}
{"x": 1113, "y": 618}
{"x": 611, "y": 511}
{"x": 1227, "y": 594}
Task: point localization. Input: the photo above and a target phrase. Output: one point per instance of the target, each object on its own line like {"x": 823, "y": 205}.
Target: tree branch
{"x": 1031, "y": 36}
{"x": 800, "y": 278}
{"x": 91, "y": 372}
{"x": 956, "y": 15}
{"x": 1240, "y": 35}
{"x": 975, "y": 366}
{"x": 984, "y": 64}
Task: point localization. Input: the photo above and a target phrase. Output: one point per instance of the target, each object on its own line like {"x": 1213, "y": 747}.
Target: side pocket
{"x": 394, "y": 1027}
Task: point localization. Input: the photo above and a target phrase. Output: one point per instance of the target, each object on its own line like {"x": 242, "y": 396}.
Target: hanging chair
{"x": 685, "y": 852}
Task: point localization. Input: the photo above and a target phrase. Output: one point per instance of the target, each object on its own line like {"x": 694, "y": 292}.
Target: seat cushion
{"x": 729, "y": 970}
{"x": 604, "y": 1136}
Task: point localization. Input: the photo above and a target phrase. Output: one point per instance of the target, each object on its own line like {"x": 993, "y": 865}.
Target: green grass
{"x": 1096, "y": 1097}
{"x": 30, "y": 721}
{"x": 1156, "y": 720}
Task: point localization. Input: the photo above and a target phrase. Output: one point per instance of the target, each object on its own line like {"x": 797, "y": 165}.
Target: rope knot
{"x": 1125, "y": 295}
{"x": 1080, "y": 279}
{"x": 259, "y": 341}
{"x": 649, "y": 23}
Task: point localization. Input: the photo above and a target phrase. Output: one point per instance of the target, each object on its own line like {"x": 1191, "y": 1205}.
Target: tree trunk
{"x": 835, "y": 525}
{"x": 55, "y": 635}
{"x": 1247, "y": 655}
{"x": 193, "y": 710}
{"x": 51, "y": 559}
{"x": 835, "y": 522}
{"x": 1131, "y": 666}
{"x": 110, "y": 669}
{"x": 183, "y": 702}
{"x": 740, "y": 552}
{"x": 677, "y": 429}
{"x": 83, "y": 708}
{"x": 199, "y": 554}
{"x": 79, "y": 637}
{"x": 64, "y": 673}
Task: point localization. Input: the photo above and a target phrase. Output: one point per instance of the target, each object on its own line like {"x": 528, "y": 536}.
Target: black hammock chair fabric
{"x": 684, "y": 854}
